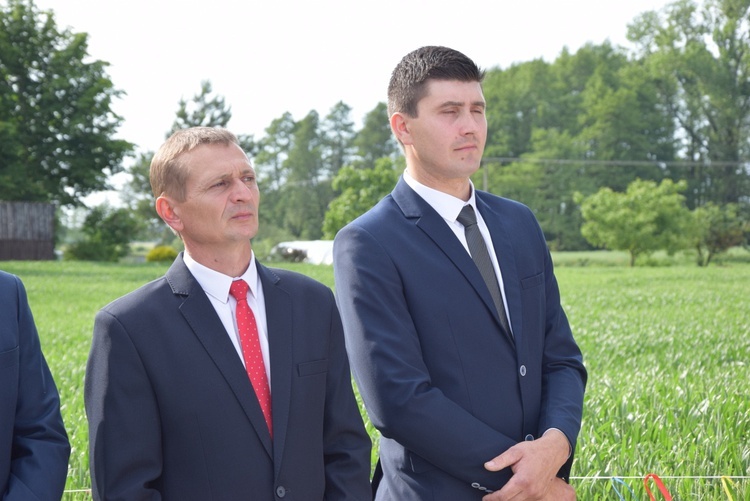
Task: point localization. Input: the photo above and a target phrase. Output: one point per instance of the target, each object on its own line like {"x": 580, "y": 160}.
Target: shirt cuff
{"x": 570, "y": 448}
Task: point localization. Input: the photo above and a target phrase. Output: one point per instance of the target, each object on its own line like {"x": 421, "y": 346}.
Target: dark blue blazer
{"x": 172, "y": 414}
{"x": 445, "y": 388}
{"x": 34, "y": 447}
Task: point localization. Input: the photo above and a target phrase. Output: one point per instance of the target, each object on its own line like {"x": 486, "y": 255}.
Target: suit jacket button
{"x": 529, "y": 437}
{"x": 280, "y": 491}
{"x": 522, "y": 370}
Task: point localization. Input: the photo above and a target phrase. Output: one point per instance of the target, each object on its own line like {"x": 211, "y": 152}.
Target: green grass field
{"x": 667, "y": 349}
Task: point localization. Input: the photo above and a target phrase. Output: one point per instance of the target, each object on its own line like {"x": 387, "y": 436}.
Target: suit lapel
{"x": 201, "y": 316}
{"x": 279, "y": 320}
{"x": 506, "y": 258}
{"x": 430, "y": 222}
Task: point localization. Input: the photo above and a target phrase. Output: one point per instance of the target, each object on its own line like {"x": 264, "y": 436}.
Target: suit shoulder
{"x": 9, "y": 282}
{"x": 296, "y": 279}
{"x": 375, "y": 214}
{"x": 384, "y": 219}
{"x": 507, "y": 207}
{"x": 12, "y": 294}
{"x": 7, "y": 279}
{"x": 497, "y": 201}
{"x": 145, "y": 296}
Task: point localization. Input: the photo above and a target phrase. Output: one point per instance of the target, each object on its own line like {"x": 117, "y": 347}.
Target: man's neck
{"x": 232, "y": 262}
{"x": 459, "y": 187}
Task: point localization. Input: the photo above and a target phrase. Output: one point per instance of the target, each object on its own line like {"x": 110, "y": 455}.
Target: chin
{"x": 250, "y": 234}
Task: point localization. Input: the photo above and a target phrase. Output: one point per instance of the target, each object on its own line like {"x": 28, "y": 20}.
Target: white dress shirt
{"x": 216, "y": 286}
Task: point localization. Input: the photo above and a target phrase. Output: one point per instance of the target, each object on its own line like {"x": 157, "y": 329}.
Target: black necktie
{"x": 478, "y": 250}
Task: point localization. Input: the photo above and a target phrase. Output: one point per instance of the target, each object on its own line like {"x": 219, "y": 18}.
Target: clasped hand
{"x": 535, "y": 465}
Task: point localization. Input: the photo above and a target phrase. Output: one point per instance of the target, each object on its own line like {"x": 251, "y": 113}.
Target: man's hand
{"x": 534, "y": 465}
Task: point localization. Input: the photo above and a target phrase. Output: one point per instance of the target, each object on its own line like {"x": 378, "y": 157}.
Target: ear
{"x": 400, "y": 127}
{"x": 167, "y": 210}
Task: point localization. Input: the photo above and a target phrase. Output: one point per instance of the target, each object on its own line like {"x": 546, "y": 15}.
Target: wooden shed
{"x": 27, "y": 230}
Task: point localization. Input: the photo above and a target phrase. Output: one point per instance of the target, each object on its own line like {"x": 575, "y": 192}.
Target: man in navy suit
{"x": 34, "y": 447}
{"x": 469, "y": 406}
{"x": 172, "y": 410}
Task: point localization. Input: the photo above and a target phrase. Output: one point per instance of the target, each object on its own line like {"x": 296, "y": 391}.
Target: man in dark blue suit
{"x": 34, "y": 447}
{"x": 476, "y": 389}
{"x": 171, "y": 379}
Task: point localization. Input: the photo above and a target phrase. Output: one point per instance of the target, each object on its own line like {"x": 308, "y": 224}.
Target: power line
{"x": 620, "y": 163}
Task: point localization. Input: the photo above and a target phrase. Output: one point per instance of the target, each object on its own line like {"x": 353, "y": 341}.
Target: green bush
{"x": 161, "y": 253}
{"x": 89, "y": 250}
{"x": 106, "y": 235}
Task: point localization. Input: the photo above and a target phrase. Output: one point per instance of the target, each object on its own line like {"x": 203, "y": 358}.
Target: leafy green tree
{"x": 516, "y": 103}
{"x": 56, "y": 121}
{"x": 375, "y": 139}
{"x": 273, "y": 150}
{"x": 337, "y": 132}
{"x": 537, "y": 95}
{"x": 207, "y": 109}
{"x": 645, "y": 218}
{"x": 204, "y": 110}
{"x": 744, "y": 210}
{"x": 718, "y": 230}
{"x": 107, "y": 233}
{"x": 269, "y": 162}
{"x": 700, "y": 57}
{"x": 547, "y": 185}
{"x": 139, "y": 198}
{"x": 588, "y": 120}
{"x": 308, "y": 191}
{"x": 532, "y": 116}
{"x": 624, "y": 123}
{"x": 359, "y": 190}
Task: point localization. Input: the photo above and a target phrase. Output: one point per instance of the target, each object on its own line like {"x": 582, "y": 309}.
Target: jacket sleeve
{"x": 564, "y": 375}
{"x": 125, "y": 456}
{"x": 40, "y": 447}
{"x": 347, "y": 446}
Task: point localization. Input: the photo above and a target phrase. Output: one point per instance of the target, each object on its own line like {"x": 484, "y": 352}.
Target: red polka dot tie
{"x": 248, "y": 329}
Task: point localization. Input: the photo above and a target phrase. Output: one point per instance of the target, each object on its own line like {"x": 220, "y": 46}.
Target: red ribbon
{"x": 659, "y": 484}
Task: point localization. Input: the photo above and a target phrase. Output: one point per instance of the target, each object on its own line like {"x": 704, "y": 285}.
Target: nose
{"x": 241, "y": 192}
{"x": 470, "y": 122}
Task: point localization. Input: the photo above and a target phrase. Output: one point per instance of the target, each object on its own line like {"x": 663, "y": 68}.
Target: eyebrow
{"x": 210, "y": 181}
{"x": 448, "y": 104}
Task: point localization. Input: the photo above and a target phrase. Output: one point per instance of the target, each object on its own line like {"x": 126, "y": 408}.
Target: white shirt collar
{"x": 446, "y": 205}
{"x": 217, "y": 284}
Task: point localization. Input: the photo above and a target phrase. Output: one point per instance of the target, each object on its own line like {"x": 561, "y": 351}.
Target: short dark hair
{"x": 409, "y": 78}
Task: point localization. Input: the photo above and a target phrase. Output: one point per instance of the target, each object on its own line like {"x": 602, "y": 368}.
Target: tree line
{"x": 676, "y": 106}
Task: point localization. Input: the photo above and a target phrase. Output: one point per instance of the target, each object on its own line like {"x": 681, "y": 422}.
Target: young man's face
{"x": 446, "y": 139}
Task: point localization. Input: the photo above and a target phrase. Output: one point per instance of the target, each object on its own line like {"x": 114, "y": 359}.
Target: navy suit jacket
{"x": 447, "y": 390}
{"x": 34, "y": 447}
{"x": 172, "y": 414}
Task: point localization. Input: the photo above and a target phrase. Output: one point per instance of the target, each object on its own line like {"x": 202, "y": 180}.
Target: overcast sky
{"x": 269, "y": 57}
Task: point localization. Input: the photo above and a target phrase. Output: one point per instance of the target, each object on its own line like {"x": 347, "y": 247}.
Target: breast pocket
{"x": 309, "y": 391}
{"x": 9, "y": 358}
{"x": 531, "y": 282}
{"x": 311, "y": 368}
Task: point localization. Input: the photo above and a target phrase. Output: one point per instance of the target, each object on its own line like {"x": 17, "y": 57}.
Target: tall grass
{"x": 64, "y": 297}
{"x": 667, "y": 349}
{"x": 668, "y": 352}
